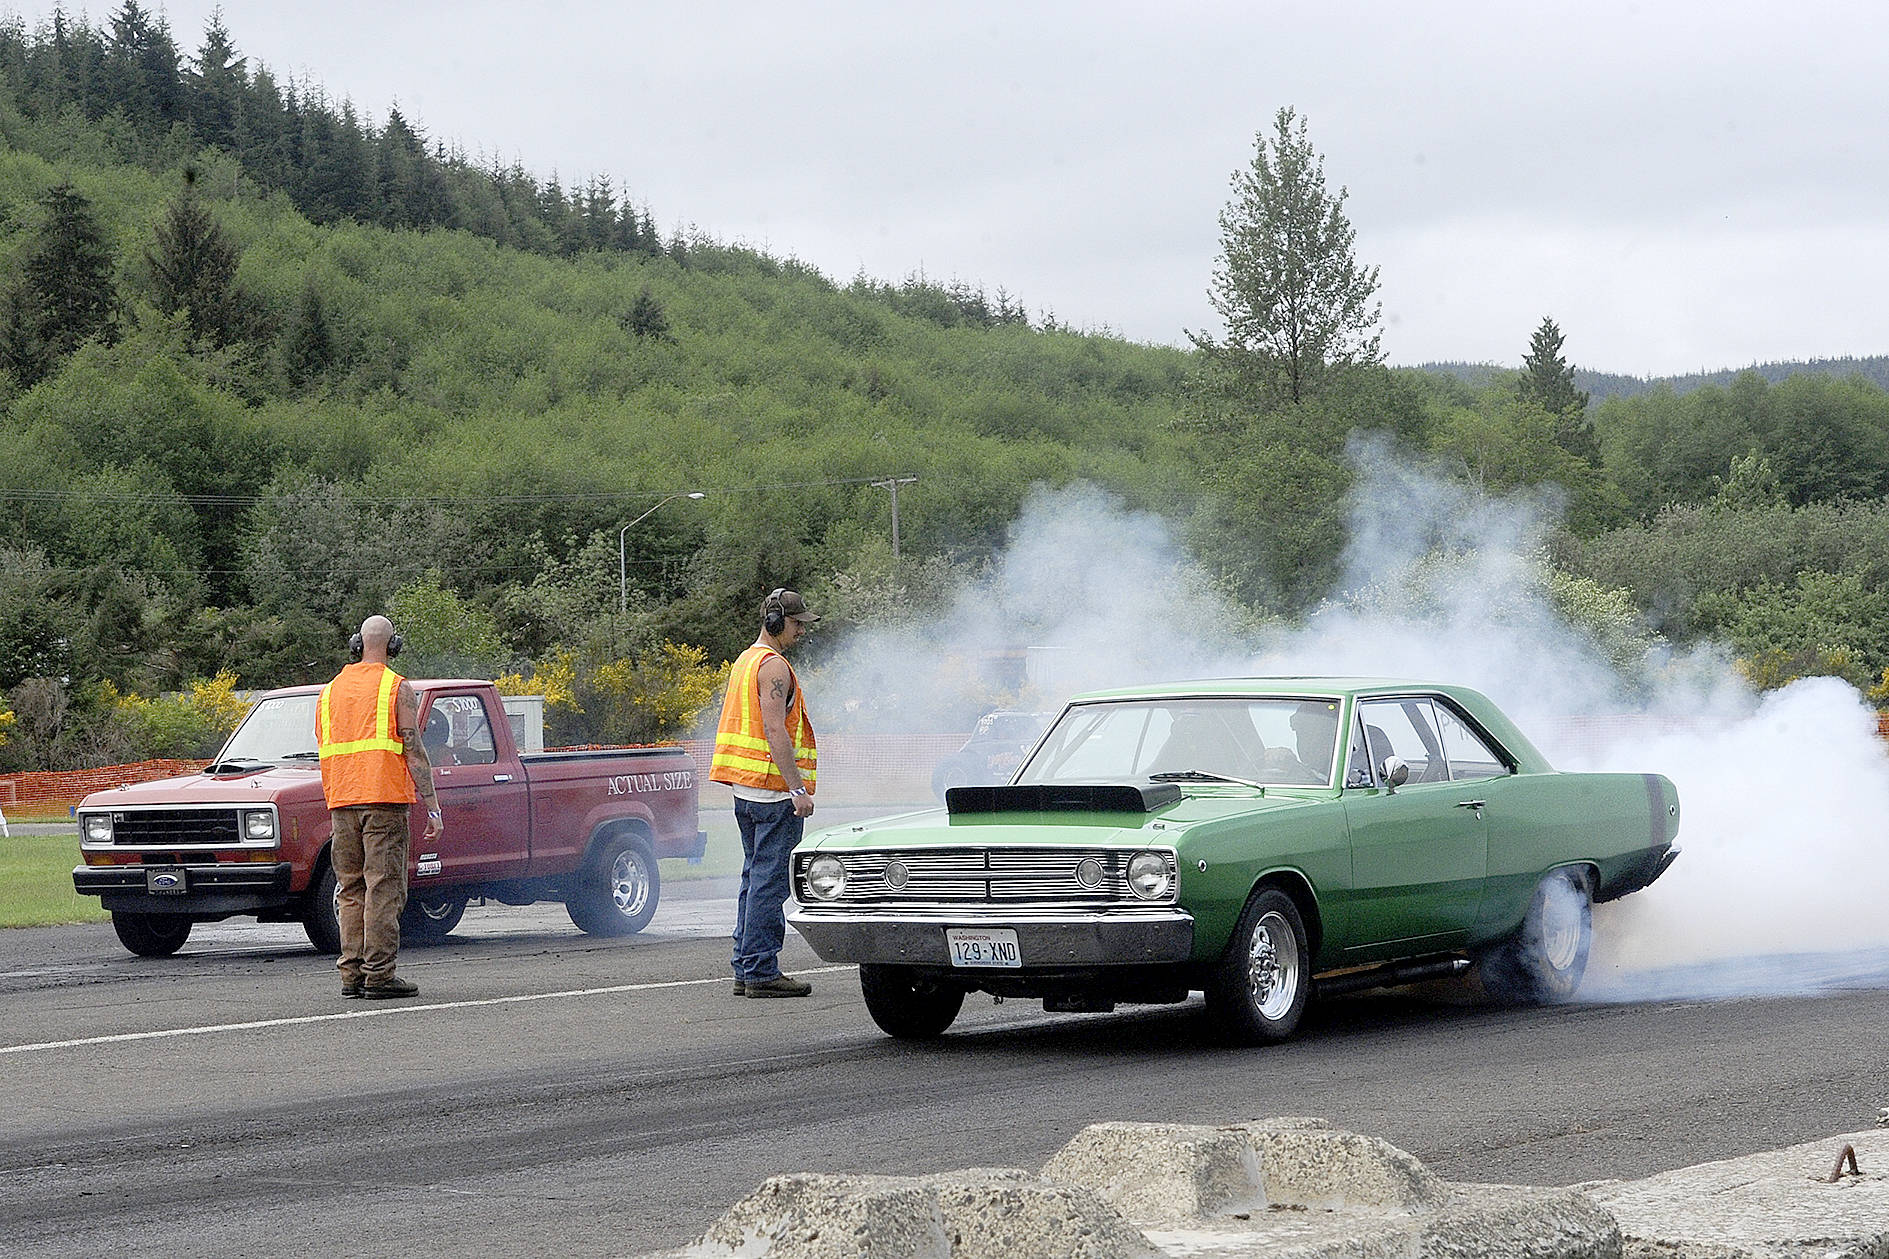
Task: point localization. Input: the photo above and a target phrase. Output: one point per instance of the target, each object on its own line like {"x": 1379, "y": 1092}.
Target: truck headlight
{"x": 258, "y": 824}
{"x": 98, "y": 828}
{"x": 826, "y": 876}
{"x": 1148, "y": 875}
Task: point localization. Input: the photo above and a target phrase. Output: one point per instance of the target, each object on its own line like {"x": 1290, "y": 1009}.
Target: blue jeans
{"x": 768, "y": 835}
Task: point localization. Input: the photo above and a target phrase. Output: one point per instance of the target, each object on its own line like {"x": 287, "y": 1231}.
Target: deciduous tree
{"x": 1295, "y": 301}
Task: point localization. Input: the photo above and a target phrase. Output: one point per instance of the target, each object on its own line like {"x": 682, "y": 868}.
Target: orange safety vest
{"x": 363, "y": 760}
{"x": 742, "y": 757}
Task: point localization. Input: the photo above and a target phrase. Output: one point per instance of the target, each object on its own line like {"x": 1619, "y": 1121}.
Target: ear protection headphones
{"x": 394, "y": 644}
{"x": 773, "y": 616}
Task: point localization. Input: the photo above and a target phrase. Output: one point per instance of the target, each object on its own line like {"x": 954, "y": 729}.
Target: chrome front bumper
{"x": 1045, "y": 938}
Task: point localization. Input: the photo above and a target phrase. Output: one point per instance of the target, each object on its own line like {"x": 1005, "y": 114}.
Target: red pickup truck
{"x": 249, "y": 834}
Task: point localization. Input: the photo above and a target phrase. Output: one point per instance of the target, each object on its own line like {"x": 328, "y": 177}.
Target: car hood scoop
{"x": 1062, "y": 798}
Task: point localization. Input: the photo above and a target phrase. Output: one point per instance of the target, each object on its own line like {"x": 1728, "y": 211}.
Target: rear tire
{"x": 1543, "y": 962}
{"x": 616, "y": 894}
{"x": 907, "y": 1005}
{"x": 151, "y": 935}
{"x": 321, "y": 918}
{"x": 1259, "y": 989}
{"x": 430, "y": 917}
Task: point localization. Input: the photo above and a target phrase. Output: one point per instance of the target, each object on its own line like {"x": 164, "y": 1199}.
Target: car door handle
{"x": 1471, "y": 804}
{"x": 501, "y": 778}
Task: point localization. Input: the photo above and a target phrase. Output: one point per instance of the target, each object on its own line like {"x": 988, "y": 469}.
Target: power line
{"x": 252, "y": 500}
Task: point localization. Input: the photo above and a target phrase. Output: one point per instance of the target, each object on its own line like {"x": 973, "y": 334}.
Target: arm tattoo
{"x": 780, "y": 689}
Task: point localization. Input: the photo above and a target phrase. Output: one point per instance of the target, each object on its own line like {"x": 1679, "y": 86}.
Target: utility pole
{"x": 892, "y": 484}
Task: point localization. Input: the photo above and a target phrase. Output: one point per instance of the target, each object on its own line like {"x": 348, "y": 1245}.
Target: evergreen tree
{"x": 193, "y": 269}
{"x": 1294, "y": 300}
{"x": 63, "y": 293}
{"x": 217, "y": 85}
{"x": 1548, "y": 382}
{"x": 142, "y": 64}
{"x": 646, "y": 318}
{"x": 308, "y": 348}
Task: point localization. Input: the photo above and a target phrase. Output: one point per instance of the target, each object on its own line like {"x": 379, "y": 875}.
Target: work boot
{"x": 741, "y": 988}
{"x": 351, "y": 989}
{"x": 779, "y": 986}
{"x": 389, "y": 988}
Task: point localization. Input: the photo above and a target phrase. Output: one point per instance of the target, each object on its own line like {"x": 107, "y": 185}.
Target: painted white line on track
{"x": 377, "y": 1012}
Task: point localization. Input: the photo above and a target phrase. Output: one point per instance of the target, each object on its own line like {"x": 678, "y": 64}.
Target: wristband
{"x": 434, "y": 814}
{"x": 798, "y": 791}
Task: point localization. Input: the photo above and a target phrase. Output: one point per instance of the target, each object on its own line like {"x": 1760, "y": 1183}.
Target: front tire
{"x": 430, "y": 917}
{"x": 907, "y": 1005}
{"x": 321, "y": 916}
{"x": 617, "y": 893}
{"x": 151, "y": 935}
{"x": 1259, "y": 989}
{"x": 1543, "y": 962}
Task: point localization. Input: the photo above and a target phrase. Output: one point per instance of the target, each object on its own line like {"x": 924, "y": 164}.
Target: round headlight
{"x": 1148, "y": 875}
{"x": 259, "y": 824}
{"x": 98, "y": 828}
{"x": 896, "y": 875}
{"x": 826, "y": 876}
{"x": 1089, "y": 872}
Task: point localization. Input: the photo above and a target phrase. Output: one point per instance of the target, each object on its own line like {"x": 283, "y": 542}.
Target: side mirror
{"x": 1394, "y": 773}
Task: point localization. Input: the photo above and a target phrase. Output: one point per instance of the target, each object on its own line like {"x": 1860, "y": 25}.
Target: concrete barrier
{"x": 1763, "y": 1206}
{"x": 1294, "y": 1189}
{"x": 1299, "y": 1189}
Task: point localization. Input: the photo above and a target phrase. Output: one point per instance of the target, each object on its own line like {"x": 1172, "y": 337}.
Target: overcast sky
{"x": 1680, "y": 185}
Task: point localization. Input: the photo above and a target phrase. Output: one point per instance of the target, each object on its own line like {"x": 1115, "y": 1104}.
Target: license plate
{"x": 162, "y": 882}
{"x": 978, "y": 947}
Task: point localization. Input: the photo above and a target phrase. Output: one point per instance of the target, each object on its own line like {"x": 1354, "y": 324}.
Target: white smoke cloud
{"x": 1783, "y": 797}
{"x": 1085, "y": 594}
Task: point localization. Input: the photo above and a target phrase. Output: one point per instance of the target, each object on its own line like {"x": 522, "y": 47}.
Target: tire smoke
{"x": 1785, "y": 868}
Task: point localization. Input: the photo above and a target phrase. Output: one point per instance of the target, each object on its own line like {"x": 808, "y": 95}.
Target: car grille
{"x": 169, "y": 828}
{"x": 986, "y": 876}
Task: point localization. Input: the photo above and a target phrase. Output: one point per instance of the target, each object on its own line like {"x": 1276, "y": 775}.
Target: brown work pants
{"x": 370, "y": 858}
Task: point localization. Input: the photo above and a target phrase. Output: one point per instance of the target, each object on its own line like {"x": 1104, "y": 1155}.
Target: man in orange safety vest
{"x": 372, "y": 762}
{"x": 764, "y": 749}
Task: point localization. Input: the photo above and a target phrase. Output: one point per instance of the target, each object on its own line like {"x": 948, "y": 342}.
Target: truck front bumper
{"x": 1046, "y": 939}
{"x": 220, "y": 888}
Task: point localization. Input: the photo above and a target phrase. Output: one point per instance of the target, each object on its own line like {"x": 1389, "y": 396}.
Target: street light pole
{"x": 623, "y": 564}
{"x": 892, "y": 484}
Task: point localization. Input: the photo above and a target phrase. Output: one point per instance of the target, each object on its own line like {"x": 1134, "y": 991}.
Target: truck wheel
{"x": 1543, "y": 962}
{"x": 617, "y": 892}
{"x": 319, "y": 916}
{"x": 907, "y": 1005}
{"x": 1259, "y": 990}
{"x": 430, "y": 917}
{"x": 151, "y": 935}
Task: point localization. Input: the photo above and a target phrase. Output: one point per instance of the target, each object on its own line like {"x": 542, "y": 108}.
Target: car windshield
{"x": 1276, "y": 741}
{"x": 278, "y": 729}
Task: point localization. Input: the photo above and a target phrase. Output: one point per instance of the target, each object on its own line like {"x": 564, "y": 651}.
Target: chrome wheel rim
{"x": 629, "y": 883}
{"x": 1561, "y": 927}
{"x": 436, "y": 911}
{"x": 1272, "y": 966}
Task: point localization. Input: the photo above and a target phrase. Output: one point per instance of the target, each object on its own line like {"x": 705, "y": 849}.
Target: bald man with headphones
{"x": 372, "y": 765}
{"x": 764, "y": 750}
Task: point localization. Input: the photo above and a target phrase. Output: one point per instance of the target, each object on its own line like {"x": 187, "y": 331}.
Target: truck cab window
{"x": 458, "y": 731}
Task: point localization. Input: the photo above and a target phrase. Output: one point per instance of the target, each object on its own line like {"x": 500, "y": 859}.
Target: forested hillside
{"x": 270, "y": 367}
{"x": 1600, "y": 386}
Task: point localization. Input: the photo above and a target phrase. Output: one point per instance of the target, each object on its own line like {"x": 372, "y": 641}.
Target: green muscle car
{"x": 1255, "y": 839}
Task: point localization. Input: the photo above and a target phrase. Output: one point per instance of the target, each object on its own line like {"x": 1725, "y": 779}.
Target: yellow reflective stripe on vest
{"x": 383, "y": 739}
